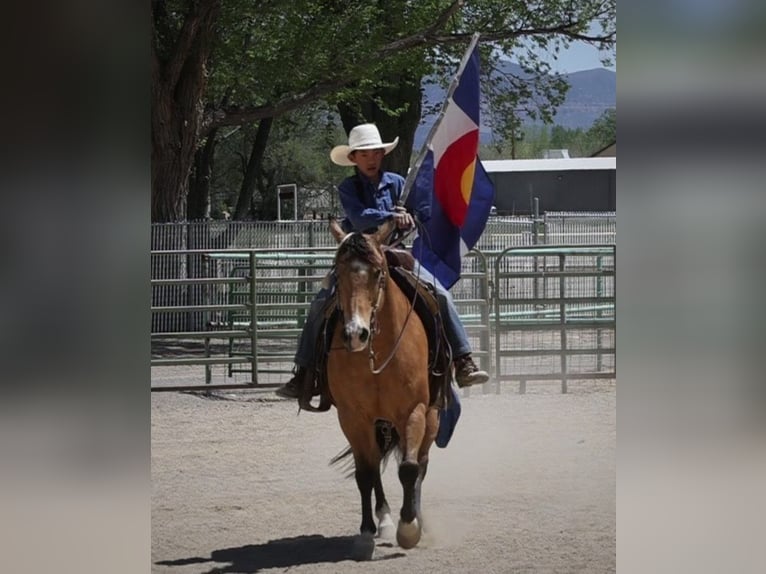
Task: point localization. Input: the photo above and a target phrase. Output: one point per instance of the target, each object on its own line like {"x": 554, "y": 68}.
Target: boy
{"x": 369, "y": 198}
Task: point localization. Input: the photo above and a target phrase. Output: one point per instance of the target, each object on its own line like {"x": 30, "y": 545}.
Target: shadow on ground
{"x": 281, "y": 553}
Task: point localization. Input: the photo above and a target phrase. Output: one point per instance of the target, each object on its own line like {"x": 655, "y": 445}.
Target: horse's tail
{"x": 348, "y": 465}
{"x": 387, "y": 439}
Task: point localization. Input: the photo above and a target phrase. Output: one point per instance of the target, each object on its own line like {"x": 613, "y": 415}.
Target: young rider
{"x": 369, "y": 198}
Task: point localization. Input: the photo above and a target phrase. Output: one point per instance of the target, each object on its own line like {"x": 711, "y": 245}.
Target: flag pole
{"x": 410, "y": 181}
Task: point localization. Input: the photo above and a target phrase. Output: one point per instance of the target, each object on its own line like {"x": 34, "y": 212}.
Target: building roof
{"x": 568, "y": 164}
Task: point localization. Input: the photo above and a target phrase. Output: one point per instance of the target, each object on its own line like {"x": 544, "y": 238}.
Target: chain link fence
{"x": 169, "y": 239}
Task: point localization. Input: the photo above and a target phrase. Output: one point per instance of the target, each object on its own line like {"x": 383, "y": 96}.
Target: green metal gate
{"x": 554, "y": 314}
{"x": 551, "y": 310}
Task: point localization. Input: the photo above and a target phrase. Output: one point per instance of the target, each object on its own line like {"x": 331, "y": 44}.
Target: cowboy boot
{"x": 467, "y": 373}
{"x": 291, "y": 389}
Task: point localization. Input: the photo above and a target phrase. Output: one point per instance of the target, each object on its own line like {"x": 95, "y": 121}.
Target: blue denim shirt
{"x": 367, "y": 206}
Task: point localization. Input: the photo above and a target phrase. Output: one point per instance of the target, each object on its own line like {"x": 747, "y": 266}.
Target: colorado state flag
{"x": 452, "y": 175}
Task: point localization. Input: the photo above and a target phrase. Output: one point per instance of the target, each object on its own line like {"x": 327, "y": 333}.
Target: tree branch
{"x": 426, "y": 37}
{"x": 237, "y": 116}
{"x": 228, "y": 117}
{"x": 562, "y": 30}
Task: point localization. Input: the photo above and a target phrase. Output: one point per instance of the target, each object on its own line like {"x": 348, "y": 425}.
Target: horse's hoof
{"x": 364, "y": 547}
{"x": 387, "y": 531}
{"x": 408, "y": 534}
{"x": 386, "y": 528}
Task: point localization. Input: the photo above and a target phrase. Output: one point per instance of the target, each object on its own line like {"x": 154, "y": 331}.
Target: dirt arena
{"x": 241, "y": 483}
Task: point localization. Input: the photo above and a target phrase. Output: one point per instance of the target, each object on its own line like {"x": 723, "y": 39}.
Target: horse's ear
{"x": 336, "y": 230}
{"x": 384, "y": 231}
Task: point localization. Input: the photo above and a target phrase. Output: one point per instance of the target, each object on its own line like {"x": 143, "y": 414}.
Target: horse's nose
{"x": 355, "y": 336}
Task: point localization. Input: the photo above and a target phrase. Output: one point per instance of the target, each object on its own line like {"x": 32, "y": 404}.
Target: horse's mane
{"x": 358, "y": 246}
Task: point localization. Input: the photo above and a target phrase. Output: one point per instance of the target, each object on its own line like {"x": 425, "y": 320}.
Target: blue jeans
{"x": 456, "y": 335}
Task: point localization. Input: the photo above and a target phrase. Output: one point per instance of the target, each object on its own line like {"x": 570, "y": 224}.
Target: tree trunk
{"x": 253, "y": 169}
{"x": 168, "y": 174}
{"x": 267, "y": 210}
{"x": 198, "y": 204}
{"x": 403, "y": 91}
{"x": 178, "y": 83}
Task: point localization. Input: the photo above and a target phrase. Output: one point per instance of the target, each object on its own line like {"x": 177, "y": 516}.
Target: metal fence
{"x": 554, "y": 314}
{"x": 578, "y": 228}
{"x": 176, "y": 251}
{"x": 201, "y": 290}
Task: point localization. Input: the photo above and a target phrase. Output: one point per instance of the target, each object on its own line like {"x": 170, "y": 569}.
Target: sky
{"x": 579, "y": 56}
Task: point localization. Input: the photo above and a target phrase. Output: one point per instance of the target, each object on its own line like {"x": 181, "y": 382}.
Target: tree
{"x": 527, "y": 92}
{"x": 297, "y": 153}
{"x": 514, "y": 93}
{"x": 390, "y": 122}
{"x": 272, "y": 57}
{"x": 198, "y": 203}
{"x": 254, "y": 169}
{"x": 181, "y": 47}
{"x": 506, "y": 127}
{"x": 603, "y": 131}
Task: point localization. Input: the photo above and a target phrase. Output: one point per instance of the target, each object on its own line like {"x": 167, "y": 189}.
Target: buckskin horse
{"x": 384, "y": 399}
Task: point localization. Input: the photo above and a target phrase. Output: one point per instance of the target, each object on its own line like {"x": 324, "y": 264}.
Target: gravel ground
{"x": 242, "y": 484}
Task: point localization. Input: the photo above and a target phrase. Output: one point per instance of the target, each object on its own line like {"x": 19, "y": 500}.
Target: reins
{"x": 374, "y": 326}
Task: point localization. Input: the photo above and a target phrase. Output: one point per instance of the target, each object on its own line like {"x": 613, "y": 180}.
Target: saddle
{"x": 401, "y": 266}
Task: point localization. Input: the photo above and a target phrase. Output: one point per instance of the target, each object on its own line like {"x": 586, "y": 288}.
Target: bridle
{"x": 375, "y": 326}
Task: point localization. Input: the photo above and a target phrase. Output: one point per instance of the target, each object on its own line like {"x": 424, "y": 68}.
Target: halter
{"x": 375, "y": 327}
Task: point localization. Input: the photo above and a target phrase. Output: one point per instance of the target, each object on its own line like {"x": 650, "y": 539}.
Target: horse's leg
{"x": 365, "y": 480}
{"x": 382, "y": 510}
{"x": 364, "y": 545}
{"x": 409, "y": 530}
{"x": 432, "y": 428}
{"x": 361, "y": 439}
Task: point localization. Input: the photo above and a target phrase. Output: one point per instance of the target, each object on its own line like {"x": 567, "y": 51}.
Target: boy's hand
{"x": 403, "y": 219}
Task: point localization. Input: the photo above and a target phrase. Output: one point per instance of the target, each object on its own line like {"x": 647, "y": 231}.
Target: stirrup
{"x": 289, "y": 390}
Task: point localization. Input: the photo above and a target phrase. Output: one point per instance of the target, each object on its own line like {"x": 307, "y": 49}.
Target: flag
{"x": 448, "y": 418}
{"x": 450, "y": 173}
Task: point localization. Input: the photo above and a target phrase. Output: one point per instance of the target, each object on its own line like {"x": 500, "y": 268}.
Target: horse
{"x": 382, "y": 396}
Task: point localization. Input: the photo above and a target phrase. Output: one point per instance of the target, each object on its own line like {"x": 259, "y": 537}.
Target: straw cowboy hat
{"x": 363, "y": 136}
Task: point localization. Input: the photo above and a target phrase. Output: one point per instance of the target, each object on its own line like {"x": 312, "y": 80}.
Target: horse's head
{"x": 361, "y": 271}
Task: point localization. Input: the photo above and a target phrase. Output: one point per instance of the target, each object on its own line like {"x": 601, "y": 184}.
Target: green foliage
{"x": 535, "y": 139}
{"x": 603, "y": 131}
{"x": 323, "y": 52}
{"x": 534, "y": 93}
{"x": 270, "y": 49}
{"x": 298, "y": 153}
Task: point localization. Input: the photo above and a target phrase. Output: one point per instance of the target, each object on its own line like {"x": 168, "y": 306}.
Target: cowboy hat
{"x": 363, "y": 136}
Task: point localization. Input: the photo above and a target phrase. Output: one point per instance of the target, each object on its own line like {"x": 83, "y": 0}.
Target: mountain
{"x": 591, "y": 92}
